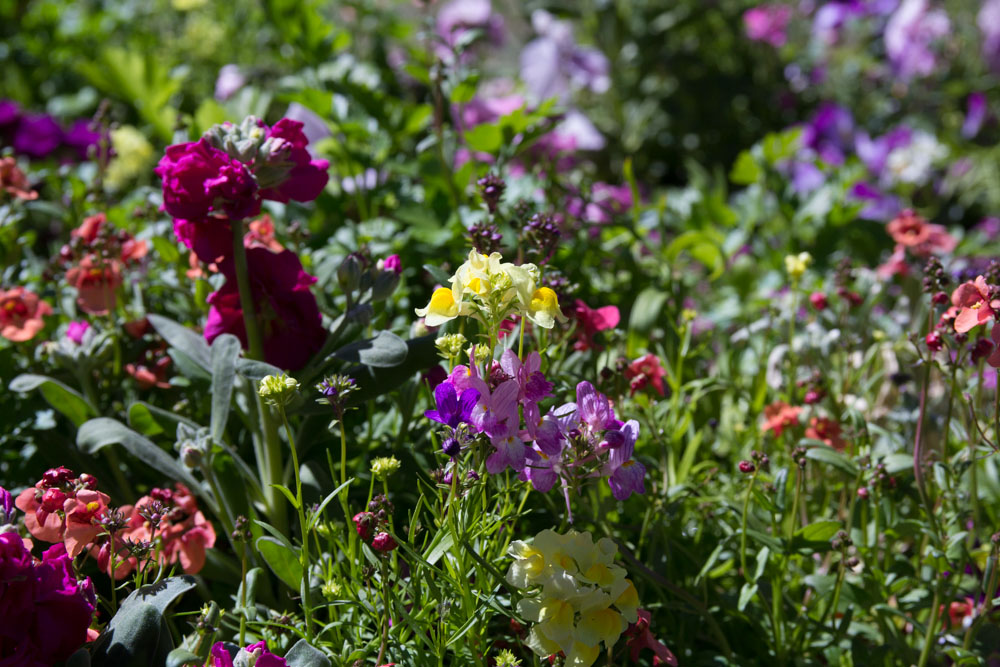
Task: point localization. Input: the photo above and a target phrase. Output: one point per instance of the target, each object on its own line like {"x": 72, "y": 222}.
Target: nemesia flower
{"x": 767, "y": 23}
{"x": 21, "y": 314}
{"x": 96, "y": 282}
{"x": 625, "y": 474}
{"x": 452, "y": 409}
{"x": 590, "y": 321}
{"x": 988, "y": 20}
{"x": 994, "y": 359}
{"x": 646, "y": 370}
{"x": 148, "y": 377}
{"x": 826, "y": 430}
{"x": 291, "y": 324}
{"x": 910, "y": 230}
{"x": 554, "y": 65}
{"x": 778, "y": 416}
{"x": 46, "y": 612}
{"x": 974, "y": 116}
{"x": 261, "y": 235}
{"x": 96, "y": 227}
{"x": 974, "y": 303}
{"x": 13, "y": 181}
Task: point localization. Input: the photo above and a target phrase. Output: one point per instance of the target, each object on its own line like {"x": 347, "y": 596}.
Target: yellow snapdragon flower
{"x": 796, "y": 265}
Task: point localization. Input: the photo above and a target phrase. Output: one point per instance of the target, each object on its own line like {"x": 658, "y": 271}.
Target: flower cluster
{"x": 64, "y": 508}
{"x": 254, "y": 655}
{"x": 14, "y": 182}
{"x": 577, "y": 597}
{"x": 99, "y": 254}
{"x": 39, "y": 135}
{"x": 372, "y": 525}
{"x": 46, "y": 611}
{"x": 491, "y": 290}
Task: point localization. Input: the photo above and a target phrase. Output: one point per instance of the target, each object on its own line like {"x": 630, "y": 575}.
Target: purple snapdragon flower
{"x": 877, "y": 205}
{"x": 460, "y": 17}
{"x": 453, "y": 408}
{"x": 625, "y": 474}
{"x": 554, "y": 65}
{"x": 831, "y": 17}
{"x": 829, "y": 132}
{"x": 496, "y": 415}
{"x": 909, "y": 36}
{"x": 875, "y": 152}
{"x": 975, "y": 114}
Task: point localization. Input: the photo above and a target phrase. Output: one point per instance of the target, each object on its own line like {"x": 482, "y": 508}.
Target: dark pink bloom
{"x": 818, "y": 300}
{"x": 307, "y": 177}
{"x": 640, "y": 637}
{"x": 384, "y": 543}
{"x": 393, "y": 263}
{"x": 646, "y": 370}
{"x": 975, "y": 306}
{"x": 290, "y": 320}
{"x": 199, "y": 180}
{"x": 45, "y": 610}
{"x": 590, "y": 321}
{"x": 767, "y": 23}
{"x": 254, "y": 654}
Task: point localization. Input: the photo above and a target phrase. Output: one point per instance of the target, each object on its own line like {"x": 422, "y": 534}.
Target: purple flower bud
{"x": 613, "y": 440}
{"x": 451, "y": 447}
{"x": 6, "y": 504}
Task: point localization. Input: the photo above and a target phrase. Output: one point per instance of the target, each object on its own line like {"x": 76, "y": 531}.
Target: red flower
{"x": 640, "y": 637}
{"x": 589, "y": 321}
{"x": 827, "y": 430}
{"x": 974, "y": 304}
{"x": 13, "y": 181}
{"x": 21, "y": 314}
{"x": 644, "y": 371}
{"x": 96, "y": 283}
{"x": 779, "y": 416}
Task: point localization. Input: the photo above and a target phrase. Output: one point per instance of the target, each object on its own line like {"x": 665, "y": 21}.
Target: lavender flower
{"x": 458, "y": 18}
{"x": 975, "y": 114}
{"x": 909, "y": 36}
{"x": 553, "y": 65}
{"x": 988, "y": 20}
{"x": 532, "y": 385}
{"x": 229, "y": 81}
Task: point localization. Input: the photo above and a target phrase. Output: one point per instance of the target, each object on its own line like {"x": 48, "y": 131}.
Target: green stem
{"x": 254, "y": 340}
{"x": 743, "y": 530}
{"x": 932, "y": 625}
{"x": 303, "y": 527}
{"x": 352, "y": 535}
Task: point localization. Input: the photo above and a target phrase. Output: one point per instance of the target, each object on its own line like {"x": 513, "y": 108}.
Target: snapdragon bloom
{"x": 974, "y": 303}
{"x": 646, "y": 370}
{"x": 21, "y": 314}
{"x": 778, "y": 416}
{"x": 62, "y": 508}
{"x": 640, "y": 637}
{"x": 625, "y": 474}
{"x": 591, "y": 321}
{"x": 496, "y": 415}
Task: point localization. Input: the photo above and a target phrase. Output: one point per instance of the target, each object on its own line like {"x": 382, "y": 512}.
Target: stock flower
{"x": 37, "y": 135}
{"x": 453, "y": 409}
{"x": 21, "y": 314}
{"x": 826, "y": 430}
{"x": 96, "y": 282}
{"x": 13, "y": 181}
{"x": 199, "y": 180}
{"x": 291, "y": 324}
{"x": 778, "y": 416}
{"x": 305, "y": 177}
{"x": 45, "y": 610}
{"x": 590, "y": 321}
{"x": 768, "y": 23}
{"x": 975, "y": 306}
{"x": 644, "y": 371}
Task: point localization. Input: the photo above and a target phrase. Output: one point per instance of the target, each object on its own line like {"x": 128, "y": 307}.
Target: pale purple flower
{"x": 452, "y": 409}
{"x": 877, "y": 204}
{"x": 594, "y": 409}
{"x": 313, "y": 126}
{"x": 229, "y": 81}
{"x": 544, "y": 470}
{"x": 553, "y": 65}
{"x": 76, "y": 330}
{"x": 545, "y": 431}
{"x": 988, "y": 20}
{"x": 831, "y": 17}
{"x": 829, "y": 132}
{"x": 496, "y": 409}
{"x": 975, "y": 115}
{"x": 875, "y": 152}
{"x": 625, "y": 474}
{"x": 910, "y": 35}
{"x": 532, "y": 384}
{"x": 509, "y": 451}
{"x": 459, "y": 17}
{"x": 806, "y": 177}
{"x": 768, "y": 23}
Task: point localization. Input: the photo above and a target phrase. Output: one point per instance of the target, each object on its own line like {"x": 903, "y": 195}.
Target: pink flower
{"x": 13, "y": 181}
{"x": 827, "y": 430}
{"x": 199, "y": 180}
{"x": 590, "y": 321}
{"x": 76, "y": 330}
{"x": 261, "y": 235}
{"x": 640, "y": 637}
{"x": 255, "y": 654}
{"x": 778, "y": 416}
{"x": 45, "y": 610}
{"x": 290, "y": 320}
{"x": 306, "y": 177}
{"x": 61, "y": 509}
{"x": 94, "y": 227}
{"x": 974, "y": 304}
{"x": 21, "y": 314}
{"x": 383, "y": 543}
{"x": 896, "y": 265}
{"x": 393, "y": 263}
{"x": 96, "y": 282}
{"x": 767, "y": 23}
{"x": 912, "y": 231}
{"x": 644, "y": 371}
{"x": 184, "y": 533}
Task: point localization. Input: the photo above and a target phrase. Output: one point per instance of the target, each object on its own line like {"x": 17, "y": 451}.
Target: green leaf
{"x": 166, "y": 250}
{"x": 746, "y": 170}
{"x": 181, "y": 657}
{"x": 437, "y": 274}
{"x": 225, "y": 350}
{"x": 282, "y": 560}
{"x": 704, "y": 246}
{"x": 287, "y": 493}
{"x": 101, "y": 432}
{"x": 762, "y": 557}
{"x": 825, "y": 454}
{"x": 61, "y": 397}
{"x": 646, "y": 310}
{"x": 385, "y": 350}
{"x": 819, "y": 531}
{"x": 485, "y": 138}
{"x": 746, "y": 594}
{"x": 137, "y": 636}
{"x": 304, "y": 654}
{"x": 187, "y": 341}
{"x": 255, "y": 370}
{"x": 150, "y": 420}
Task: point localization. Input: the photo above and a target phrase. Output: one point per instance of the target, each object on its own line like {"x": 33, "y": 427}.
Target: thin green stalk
{"x": 932, "y": 625}
{"x": 243, "y": 598}
{"x": 254, "y": 340}
{"x": 352, "y": 535}
{"x": 303, "y": 527}
{"x": 743, "y": 530}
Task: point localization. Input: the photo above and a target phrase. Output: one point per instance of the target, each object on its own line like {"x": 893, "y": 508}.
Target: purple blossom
{"x": 80, "y": 137}
{"x": 532, "y": 385}
{"x": 875, "y": 152}
{"x": 806, "y": 177}
{"x": 877, "y": 204}
{"x": 229, "y": 81}
{"x": 10, "y": 112}
{"x": 545, "y": 431}
{"x": 831, "y": 17}
{"x": 37, "y": 135}
{"x": 254, "y": 654}
{"x": 625, "y": 474}
{"x": 553, "y": 65}
{"x": 6, "y": 506}
{"x": 314, "y": 127}
{"x": 909, "y": 35}
{"x": 460, "y": 17}
{"x": 496, "y": 409}
{"x": 768, "y": 23}
{"x": 829, "y": 132}
{"x": 452, "y": 409}
{"x": 988, "y": 20}
{"x": 975, "y": 114}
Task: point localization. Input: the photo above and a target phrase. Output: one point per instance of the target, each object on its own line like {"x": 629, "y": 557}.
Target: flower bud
{"x": 364, "y": 523}
{"x": 934, "y": 341}
{"x": 384, "y": 543}
{"x": 818, "y": 300}
{"x": 278, "y": 389}
{"x": 349, "y": 273}
{"x": 746, "y": 467}
{"x": 385, "y": 467}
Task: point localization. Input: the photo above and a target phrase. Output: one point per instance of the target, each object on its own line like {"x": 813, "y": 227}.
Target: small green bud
{"x": 385, "y": 467}
{"x": 278, "y": 389}
{"x": 450, "y": 346}
{"x": 507, "y": 659}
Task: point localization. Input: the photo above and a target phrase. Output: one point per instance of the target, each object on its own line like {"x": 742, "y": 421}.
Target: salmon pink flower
{"x": 21, "y": 314}
{"x": 184, "y": 533}
{"x": 96, "y": 282}
{"x": 13, "y": 181}
{"x": 974, "y": 303}
{"x": 994, "y": 359}
{"x": 95, "y": 226}
{"x": 922, "y": 238}
{"x": 779, "y": 416}
{"x": 646, "y": 370}
{"x": 826, "y": 430}
{"x": 60, "y": 508}
{"x": 261, "y": 235}
{"x": 148, "y": 377}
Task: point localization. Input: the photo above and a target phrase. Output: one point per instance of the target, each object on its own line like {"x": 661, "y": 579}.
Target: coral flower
{"x": 21, "y": 314}
{"x": 646, "y": 370}
{"x": 923, "y": 238}
{"x": 779, "y": 416}
{"x": 827, "y": 430}
{"x": 974, "y": 304}
{"x": 147, "y": 377}
{"x": 13, "y": 181}
{"x": 94, "y": 225}
{"x": 96, "y": 283}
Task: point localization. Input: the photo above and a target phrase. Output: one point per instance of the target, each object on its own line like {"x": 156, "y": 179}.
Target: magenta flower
{"x": 254, "y": 654}
{"x": 76, "y": 330}
{"x": 292, "y": 326}
{"x": 6, "y": 506}
{"x": 625, "y": 474}
{"x": 768, "y": 23}
{"x": 988, "y": 21}
{"x": 37, "y": 135}
{"x": 199, "y": 180}
{"x": 393, "y": 263}
{"x": 306, "y": 177}
{"x": 590, "y": 321}
{"x": 81, "y": 138}
{"x": 975, "y": 115}
{"x": 452, "y": 409}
